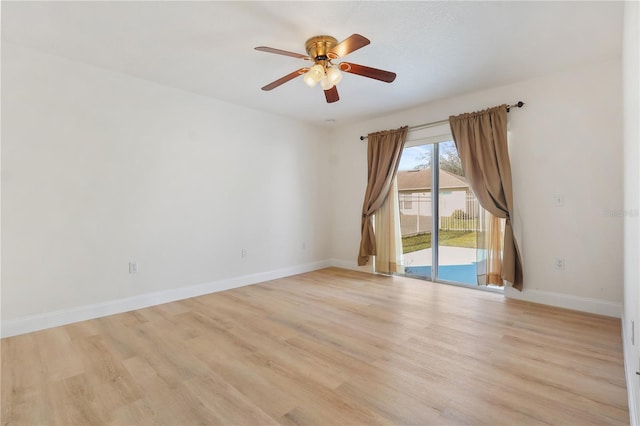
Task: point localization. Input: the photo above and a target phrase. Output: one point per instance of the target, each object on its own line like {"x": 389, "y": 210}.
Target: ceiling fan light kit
{"x": 326, "y": 84}
{"x": 334, "y": 75}
{"x": 322, "y": 50}
{"x": 308, "y": 78}
{"x": 315, "y": 73}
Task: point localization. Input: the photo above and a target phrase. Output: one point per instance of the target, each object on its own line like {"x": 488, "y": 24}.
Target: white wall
{"x": 567, "y": 140}
{"x": 99, "y": 168}
{"x": 631, "y": 75}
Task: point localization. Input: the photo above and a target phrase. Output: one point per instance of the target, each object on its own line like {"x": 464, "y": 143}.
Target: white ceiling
{"x": 438, "y": 49}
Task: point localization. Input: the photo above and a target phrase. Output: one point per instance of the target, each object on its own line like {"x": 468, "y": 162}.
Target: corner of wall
{"x": 631, "y": 135}
{"x": 567, "y": 301}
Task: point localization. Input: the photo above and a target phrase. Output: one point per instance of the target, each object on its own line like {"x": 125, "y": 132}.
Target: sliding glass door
{"x": 457, "y": 220}
{"x": 416, "y": 210}
{"x": 438, "y": 215}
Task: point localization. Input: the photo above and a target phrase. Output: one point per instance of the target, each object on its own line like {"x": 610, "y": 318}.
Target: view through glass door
{"x": 439, "y": 215}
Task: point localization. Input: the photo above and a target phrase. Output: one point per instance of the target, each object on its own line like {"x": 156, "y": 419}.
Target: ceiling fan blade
{"x": 332, "y": 95}
{"x": 382, "y": 75}
{"x": 281, "y": 52}
{"x": 284, "y": 79}
{"x": 348, "y": 45}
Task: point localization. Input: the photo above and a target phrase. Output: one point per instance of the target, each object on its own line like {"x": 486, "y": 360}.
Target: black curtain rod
{"x": 518, "y": 104}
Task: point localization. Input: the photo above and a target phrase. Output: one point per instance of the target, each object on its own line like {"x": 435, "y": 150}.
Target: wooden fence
{"x": 460, "y": 220}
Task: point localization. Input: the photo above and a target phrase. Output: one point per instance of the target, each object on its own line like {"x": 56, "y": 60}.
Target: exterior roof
{"x": 420, "y": 180}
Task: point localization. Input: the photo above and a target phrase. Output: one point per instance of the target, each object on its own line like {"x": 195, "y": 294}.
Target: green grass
{"x": 465, "y": 239}
{"x": 416, "y": 242}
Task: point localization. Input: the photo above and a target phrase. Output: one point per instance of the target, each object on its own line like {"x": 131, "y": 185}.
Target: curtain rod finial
{"x": 518, "y": 104}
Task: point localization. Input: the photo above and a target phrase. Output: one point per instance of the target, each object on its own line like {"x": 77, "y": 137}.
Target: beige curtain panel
{"x": 481, "y": 139}
{"x": 383, "y": 157}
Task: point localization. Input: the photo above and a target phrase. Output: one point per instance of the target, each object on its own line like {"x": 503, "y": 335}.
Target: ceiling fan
{"x": 322, "y": 50}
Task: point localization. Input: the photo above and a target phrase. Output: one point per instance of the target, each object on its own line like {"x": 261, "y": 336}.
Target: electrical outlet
{"x": 559, "y": 264}
{"x": 243, "y": 253}
{"x": 133, "y": 267}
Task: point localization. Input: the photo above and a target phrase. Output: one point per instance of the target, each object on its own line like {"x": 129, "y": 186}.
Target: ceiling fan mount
{"x": 318, "y": 48}
{"x": 322, "y": 50}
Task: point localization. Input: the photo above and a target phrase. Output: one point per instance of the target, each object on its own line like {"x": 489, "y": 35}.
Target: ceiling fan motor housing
{"x": 318, "y": 48}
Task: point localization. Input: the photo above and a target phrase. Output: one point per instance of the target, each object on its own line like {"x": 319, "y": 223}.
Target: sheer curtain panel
{"x": 489, "y": 239}
{"x": 388, "y": 234}
{"x": 383, "y": 157}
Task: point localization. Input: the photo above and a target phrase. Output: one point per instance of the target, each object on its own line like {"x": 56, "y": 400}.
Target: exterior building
{"x": 414, "y": 196}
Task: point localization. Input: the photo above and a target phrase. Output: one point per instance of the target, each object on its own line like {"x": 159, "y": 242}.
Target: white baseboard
{"x": 630, "y": 365}
{"x": 82, "y": 313}
{"x": 96, "y": 310}
{"x": 567, "y": 301}
{"x": 352, "y": 265}
{"x": 584, "y": 304}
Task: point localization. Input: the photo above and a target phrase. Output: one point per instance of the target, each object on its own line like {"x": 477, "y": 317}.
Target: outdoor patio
{"x": 457, "y": 264}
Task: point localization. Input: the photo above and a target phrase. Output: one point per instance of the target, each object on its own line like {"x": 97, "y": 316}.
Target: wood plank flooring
{"x": 330, "y": 347}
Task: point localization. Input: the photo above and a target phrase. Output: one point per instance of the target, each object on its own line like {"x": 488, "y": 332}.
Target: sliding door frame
{"x": 433, "y": 136}
{"x": 435, "y": 209}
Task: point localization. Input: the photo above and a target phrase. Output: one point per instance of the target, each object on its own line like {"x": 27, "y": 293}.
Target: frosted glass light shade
{"x": 316, "y": 72}
{"x": 334, "y": 75}
{"x": 326, "y": 83}
{"x": 309, "y": 79}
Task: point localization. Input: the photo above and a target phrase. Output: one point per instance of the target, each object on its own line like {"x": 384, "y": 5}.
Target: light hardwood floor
{"x": 331, "y": 347}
